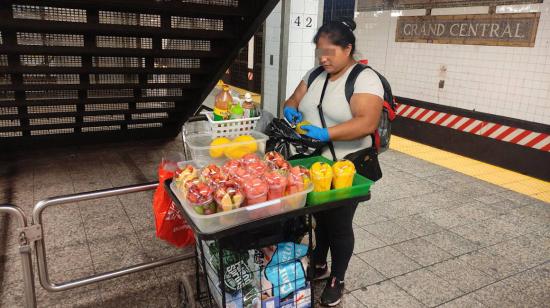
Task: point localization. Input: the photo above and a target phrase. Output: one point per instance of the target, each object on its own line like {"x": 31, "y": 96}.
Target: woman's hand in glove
{"x": 292, "y": 115}
{"x": 316, "y": 132}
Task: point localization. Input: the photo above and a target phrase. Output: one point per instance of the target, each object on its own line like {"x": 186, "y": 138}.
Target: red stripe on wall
{"x": 433, "y": 116}
{"x": 453, "y": 122}
{"x": 492, "y": 130}
{"x": 414, "y": 110}
{"x": 521, "y": 136}
{"x": 505, "y": 133}
{"x": 422, "y": 114}
{"x": 404, "y": 109}
{"x": 478, "y": 127}
{"x": 466, "y": 124}
{"x": 445, "y": 117}
{"x": 536, "y": 140}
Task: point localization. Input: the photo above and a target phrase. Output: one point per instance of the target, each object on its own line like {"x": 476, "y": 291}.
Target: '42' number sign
{"x": 304, "y": 21}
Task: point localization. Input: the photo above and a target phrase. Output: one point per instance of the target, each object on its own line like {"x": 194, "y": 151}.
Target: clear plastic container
{"x": 224, "y": 220}
{"x": 200, "y": 148}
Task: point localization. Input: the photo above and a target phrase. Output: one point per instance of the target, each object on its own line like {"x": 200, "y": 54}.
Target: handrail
{"x": 98, "y": 194}
{"x": 25, "y": 253}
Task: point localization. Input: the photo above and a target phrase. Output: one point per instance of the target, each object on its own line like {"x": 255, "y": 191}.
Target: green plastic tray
{"x": 360, "y": 187}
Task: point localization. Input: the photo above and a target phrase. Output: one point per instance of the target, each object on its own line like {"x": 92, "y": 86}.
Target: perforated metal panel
{"x": 83, "y": 67}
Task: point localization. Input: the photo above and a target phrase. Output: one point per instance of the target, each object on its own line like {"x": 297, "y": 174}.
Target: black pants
{"x": 334, "y": 230}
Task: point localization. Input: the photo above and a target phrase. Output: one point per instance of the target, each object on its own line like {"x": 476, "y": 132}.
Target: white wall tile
{"x": 311, "y": 7}
{"x": 297, "y": 6}
{"x": 295, "y": 36}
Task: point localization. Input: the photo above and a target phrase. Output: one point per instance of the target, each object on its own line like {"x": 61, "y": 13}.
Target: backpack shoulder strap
{"x": 352, "y": 77}
{"x": 314, "y": 74}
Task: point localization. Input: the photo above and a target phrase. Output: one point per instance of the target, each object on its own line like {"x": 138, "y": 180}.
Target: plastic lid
{"x": 255, "y": 187}
{"x": 199, "y": 193}
{"x": 231, "y": 166}
{"x": 229, "y": 192}
{"x": 250, "y": 159}
{"x": 275, "y": 178}
{"x": 213, "y": 175}
{"x": 346, "y": 167}
{"x": 257, "y": 168}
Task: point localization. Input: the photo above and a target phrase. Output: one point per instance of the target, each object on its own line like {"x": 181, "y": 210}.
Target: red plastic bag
{"x": 170, "y": 225}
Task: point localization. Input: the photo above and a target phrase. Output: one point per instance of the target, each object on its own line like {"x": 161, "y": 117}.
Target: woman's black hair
{"x": 339, "y": 32}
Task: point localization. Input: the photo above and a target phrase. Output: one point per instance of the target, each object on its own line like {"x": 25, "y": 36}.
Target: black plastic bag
{"x": 285, "y": 140}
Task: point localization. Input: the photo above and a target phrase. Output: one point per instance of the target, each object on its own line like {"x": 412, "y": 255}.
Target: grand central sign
{"x": 373, "y": 5}
{"x": 488, "y": 29}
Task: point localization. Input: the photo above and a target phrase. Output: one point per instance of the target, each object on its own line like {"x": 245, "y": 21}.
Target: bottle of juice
{"x": 236, "y": 110}
{"x": 222, "y": 105}
{"x": 250, "y": 109}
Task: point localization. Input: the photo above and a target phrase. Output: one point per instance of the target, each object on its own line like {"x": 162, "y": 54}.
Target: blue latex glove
{"x": 292, "y": 115}
{"x": 316, "y": 132}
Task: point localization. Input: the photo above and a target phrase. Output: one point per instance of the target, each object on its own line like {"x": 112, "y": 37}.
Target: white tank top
{"x": 336, "y": 108}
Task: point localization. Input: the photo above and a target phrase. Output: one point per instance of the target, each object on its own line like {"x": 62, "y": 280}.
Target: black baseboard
{"x": 514, "y": 157}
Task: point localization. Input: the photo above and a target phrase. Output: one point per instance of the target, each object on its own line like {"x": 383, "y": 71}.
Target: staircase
{"x": 74, "y": 71}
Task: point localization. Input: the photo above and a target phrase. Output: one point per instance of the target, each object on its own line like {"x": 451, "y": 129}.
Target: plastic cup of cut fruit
{"x": 241, "y": 175}
{"x": 276, "y": 183}
{"x": 204, "y": 208}
{"x": 257, "y": 168}
{"x": 256, "y": 191}
{"x": 298, "y": 180}
{"x": 250, "y": 159}
{"x": 231, "y": 166}
{"x": 228, "y": 196}
{"x": 200, "y": 197}
{"x": 344, "y": 172}
{"x": 321, "y": 181}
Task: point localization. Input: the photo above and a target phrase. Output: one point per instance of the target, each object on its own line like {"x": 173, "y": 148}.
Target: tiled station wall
{"x": 511, "y": 82}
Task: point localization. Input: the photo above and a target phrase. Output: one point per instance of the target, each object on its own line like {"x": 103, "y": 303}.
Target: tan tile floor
{"x": 430, "y": 236}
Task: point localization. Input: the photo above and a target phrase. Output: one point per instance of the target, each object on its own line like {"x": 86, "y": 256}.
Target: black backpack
{"x": 381, "y": 137}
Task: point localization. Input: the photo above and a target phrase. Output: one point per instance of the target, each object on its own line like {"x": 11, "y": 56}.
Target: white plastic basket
{"x": 231, "y": 128}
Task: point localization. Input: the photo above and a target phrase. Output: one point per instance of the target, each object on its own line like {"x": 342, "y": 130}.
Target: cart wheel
{"x": 186, "y": 294}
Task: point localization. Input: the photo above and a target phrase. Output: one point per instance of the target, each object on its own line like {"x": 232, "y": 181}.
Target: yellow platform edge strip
{"x": 511, "y": 180}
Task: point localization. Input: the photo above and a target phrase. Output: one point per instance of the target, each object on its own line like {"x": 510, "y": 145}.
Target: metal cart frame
{"x": 306, "y": 211}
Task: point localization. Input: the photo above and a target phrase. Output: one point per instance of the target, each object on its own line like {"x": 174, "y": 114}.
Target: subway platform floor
{"x": 430, "y": 236}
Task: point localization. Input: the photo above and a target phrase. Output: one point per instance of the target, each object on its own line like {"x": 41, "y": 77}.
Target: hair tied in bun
{"x": 347, "y": 25}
